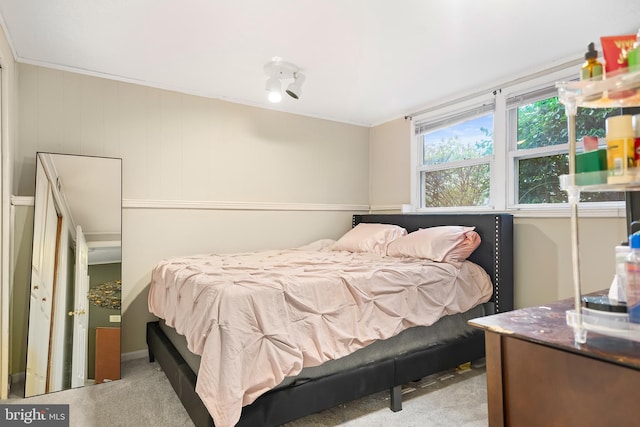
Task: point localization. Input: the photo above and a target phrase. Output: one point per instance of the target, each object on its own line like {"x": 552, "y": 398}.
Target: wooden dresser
{"x": 538, "y": 376}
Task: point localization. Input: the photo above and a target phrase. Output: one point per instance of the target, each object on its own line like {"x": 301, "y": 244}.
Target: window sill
{"x": 588, "y": 210}
{"x": 560, "y": 210}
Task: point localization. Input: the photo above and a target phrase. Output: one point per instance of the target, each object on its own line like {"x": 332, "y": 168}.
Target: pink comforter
{"x": 256, "y": 318}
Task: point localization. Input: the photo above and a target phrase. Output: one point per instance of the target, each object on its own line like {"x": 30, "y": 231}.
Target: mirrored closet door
{"x": 75, "y": 295}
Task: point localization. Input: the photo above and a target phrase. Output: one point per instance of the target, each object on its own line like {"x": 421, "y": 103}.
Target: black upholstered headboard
{"x": 495, "y": 253}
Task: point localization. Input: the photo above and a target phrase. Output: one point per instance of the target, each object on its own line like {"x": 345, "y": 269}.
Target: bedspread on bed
{"x": 256, "y": 318}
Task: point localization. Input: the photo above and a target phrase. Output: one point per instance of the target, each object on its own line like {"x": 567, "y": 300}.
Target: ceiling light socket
{"x": 280, "y": 69}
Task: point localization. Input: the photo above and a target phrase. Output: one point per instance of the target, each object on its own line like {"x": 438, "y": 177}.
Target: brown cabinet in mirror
{"x": 75, "y": 269}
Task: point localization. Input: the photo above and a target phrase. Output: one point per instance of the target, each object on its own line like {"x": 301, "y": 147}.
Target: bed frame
{"x": 282, "y": 405}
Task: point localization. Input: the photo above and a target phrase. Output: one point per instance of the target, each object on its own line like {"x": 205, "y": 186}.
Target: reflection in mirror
{"x": 74, "y": 304}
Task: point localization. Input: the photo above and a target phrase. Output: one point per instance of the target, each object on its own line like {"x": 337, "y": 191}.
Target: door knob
{"x": 73, "y": 313}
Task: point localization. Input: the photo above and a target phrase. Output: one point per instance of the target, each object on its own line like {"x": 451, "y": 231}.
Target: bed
{"x": 387, "y": 363}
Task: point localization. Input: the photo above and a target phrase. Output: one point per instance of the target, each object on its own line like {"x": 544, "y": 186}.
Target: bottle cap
{"x": 603, "y": 303}
{"x": 634, "y": 240}
{"x": 619, "y": 127}
{"x": 591, "y": 52}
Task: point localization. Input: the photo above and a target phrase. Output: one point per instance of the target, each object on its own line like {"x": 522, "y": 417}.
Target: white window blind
{"x": 424, "y": 126}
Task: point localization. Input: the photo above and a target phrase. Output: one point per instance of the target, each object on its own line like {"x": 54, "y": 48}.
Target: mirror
{"x": 74, "y": 303}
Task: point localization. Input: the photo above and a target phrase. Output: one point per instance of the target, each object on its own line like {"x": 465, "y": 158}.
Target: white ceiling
{"x": 366, "y": 61}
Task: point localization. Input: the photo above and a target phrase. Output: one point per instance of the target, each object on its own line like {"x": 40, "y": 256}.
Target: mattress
{"x": 258, "y": 318}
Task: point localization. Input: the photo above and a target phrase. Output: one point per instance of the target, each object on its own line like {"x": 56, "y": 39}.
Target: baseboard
{"x": 133, "y": 355}
{"x": 18, "y": 377}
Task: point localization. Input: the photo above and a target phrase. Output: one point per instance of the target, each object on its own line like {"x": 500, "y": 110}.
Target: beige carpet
{"x": 144, "y": 397}
{"x": 451, "y": 398}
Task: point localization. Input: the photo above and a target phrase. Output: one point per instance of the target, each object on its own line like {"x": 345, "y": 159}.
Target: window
{"x": 456, "y": 154}
{"x": 506, "y": 153}
{"x": 539, "y": 147}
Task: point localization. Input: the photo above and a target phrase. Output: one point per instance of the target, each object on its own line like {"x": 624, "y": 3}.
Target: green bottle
{"x": 633, "y": 55}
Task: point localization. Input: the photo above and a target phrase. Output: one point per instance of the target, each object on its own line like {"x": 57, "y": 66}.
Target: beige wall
{"x": 390, "y": 160}
{"x": 8, "y": 131}
{"x": 543, "y": 257}
{"x": 198, "y": 174}
{"x": 19, "y": 322}
{"x": 542, "y": 251}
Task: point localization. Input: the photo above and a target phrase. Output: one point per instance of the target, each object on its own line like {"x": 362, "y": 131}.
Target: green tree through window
{"x": 459, "y": 184}
{"x": 542, "y": 124}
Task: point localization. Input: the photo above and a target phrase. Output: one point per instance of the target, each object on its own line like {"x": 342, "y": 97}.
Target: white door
{"x": 41, "y": 296}
{"x": 81, "y": 313}
{"x": 61, "y": 335}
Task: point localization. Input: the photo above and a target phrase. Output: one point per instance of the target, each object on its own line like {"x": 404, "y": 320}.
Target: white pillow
{"x": 433, "y": 243}
{"x": 369, "y": 237}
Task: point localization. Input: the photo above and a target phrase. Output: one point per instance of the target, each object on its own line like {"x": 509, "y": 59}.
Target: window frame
{"x": 503, "y": 163}
{"x": 455, "y": 113}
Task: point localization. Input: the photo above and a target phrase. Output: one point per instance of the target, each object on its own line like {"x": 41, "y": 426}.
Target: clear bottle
{"x": 591, "y": 70}
{"x": 620, "y": 292}
{"x": 633, "y": 278}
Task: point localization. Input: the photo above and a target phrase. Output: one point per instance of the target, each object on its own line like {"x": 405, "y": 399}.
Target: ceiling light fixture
{"x": 278, "y": 70}
{"x": 295, "y": 89}
{"x": 274, "y": 89}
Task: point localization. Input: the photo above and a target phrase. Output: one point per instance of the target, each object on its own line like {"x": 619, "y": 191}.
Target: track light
{"x": 295, "y": 89}
{"x": 274, "y": 90}
{"x": 278, "y": 70}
